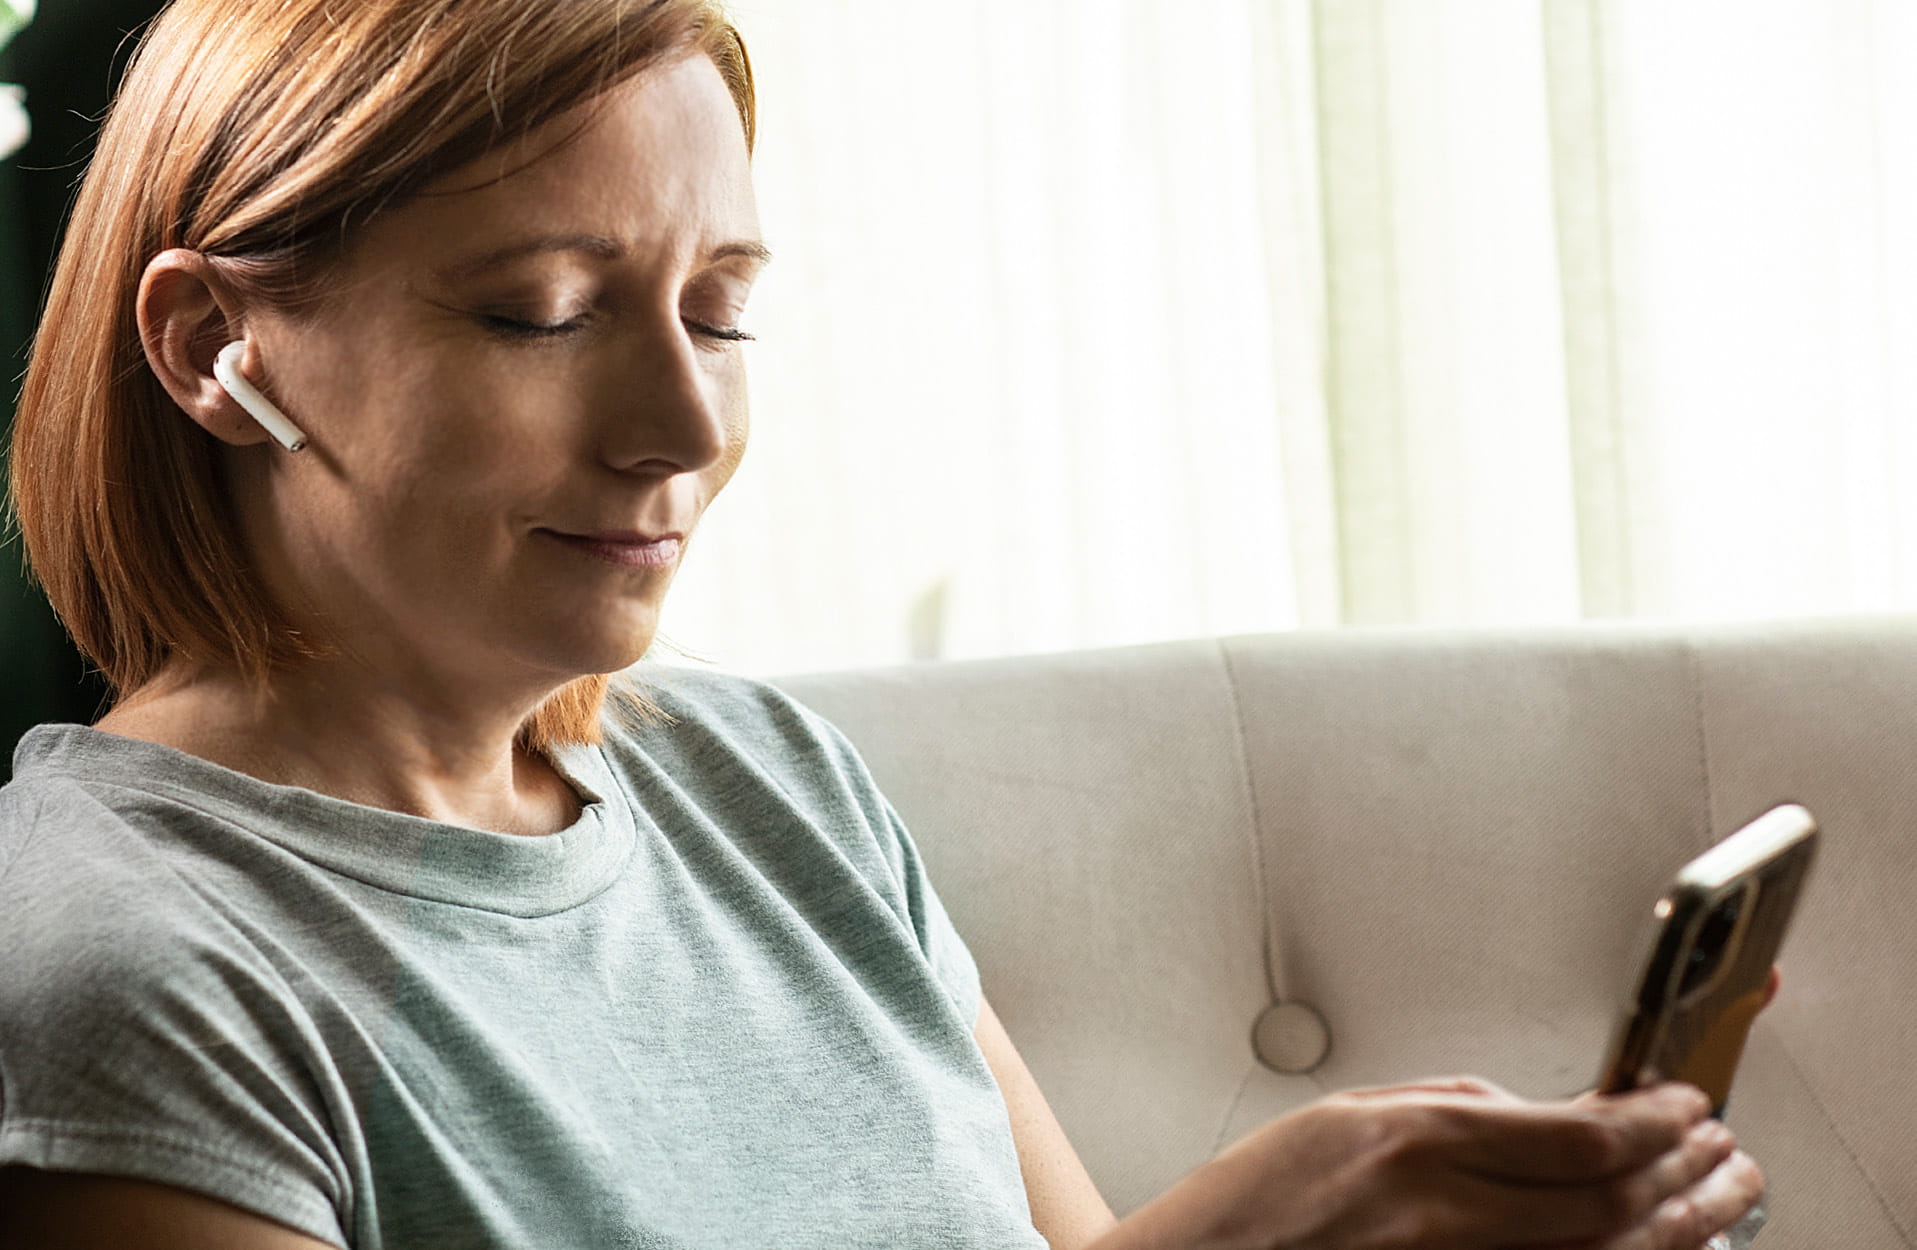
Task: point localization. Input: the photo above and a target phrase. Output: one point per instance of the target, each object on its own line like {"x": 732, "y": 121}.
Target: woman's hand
{"x": 1460, "y": 1164}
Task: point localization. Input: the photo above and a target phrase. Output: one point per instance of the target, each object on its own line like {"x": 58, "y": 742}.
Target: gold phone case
{"x": 1712, "y": 939}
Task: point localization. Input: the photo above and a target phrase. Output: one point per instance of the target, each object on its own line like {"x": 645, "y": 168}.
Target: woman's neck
{"x": 342, "y": 732}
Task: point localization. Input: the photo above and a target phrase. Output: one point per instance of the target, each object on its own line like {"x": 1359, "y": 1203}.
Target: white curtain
{"x": 1105, "y": 321}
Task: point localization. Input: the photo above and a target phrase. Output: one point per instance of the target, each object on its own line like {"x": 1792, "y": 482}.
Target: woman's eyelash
{"x": 516, "y": 328}
{"x": 729, "y": 334}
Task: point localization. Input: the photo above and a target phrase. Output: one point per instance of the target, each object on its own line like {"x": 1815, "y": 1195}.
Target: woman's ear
{"x": 186, "y": 316}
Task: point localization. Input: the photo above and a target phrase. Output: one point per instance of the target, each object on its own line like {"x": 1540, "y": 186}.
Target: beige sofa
{"x": 1443, "y": 845}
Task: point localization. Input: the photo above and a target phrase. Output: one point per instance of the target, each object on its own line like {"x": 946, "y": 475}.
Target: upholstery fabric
{"x": 1445, "y": 841}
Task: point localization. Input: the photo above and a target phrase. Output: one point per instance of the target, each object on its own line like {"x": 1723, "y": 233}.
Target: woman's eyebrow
{"x": 751, "y": 249}
{"x": 599, "y": 246}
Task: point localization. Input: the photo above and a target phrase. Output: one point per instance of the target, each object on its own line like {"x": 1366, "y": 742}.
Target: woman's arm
{"x": 1459, "y": 1164}
{"x": 42, "y": 1210}
{"x": 1066, "y": 1206}
{"x": 1454, "y": 1163}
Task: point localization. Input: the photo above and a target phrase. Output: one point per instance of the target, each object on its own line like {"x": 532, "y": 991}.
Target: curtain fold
{"x": 1734, "y": 256}
{"x": 1591, "y": 204}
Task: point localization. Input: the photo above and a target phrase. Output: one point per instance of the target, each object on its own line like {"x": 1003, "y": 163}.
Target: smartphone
{"x": 1706, "y": 958}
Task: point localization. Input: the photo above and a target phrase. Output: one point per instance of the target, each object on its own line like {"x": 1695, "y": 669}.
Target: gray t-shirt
{"x": 725, "y": 1008}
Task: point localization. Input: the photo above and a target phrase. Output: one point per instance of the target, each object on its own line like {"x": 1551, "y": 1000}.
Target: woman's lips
{"x": 634, "y": 551}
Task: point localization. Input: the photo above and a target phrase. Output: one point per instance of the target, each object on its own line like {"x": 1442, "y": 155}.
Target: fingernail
{"x": 1677, "y": 1212}
{"x": 1708, "y": 1132}
{"x": 1695, "y": 1100}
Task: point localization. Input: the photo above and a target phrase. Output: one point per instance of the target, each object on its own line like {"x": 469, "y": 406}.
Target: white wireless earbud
{"x": 226, "y": 368}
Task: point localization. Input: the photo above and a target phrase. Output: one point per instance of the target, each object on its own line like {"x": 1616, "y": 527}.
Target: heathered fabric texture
{"x": 725, "y": 1008}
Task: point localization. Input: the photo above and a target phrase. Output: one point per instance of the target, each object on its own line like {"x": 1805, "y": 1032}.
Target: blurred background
{"x": 1106, "y": 321}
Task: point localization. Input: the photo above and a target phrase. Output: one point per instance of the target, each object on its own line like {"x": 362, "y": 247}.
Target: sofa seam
{"x": 1694, "y": 665}
{"x": 1836, "y": 1131}
{"x": 1259, "y": 878}
{"x": 1694, "y": 668}
{"x": 1231, "y": 1112}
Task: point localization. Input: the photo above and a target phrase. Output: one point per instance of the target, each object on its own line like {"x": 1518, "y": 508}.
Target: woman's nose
{"x": 674, "y": 416}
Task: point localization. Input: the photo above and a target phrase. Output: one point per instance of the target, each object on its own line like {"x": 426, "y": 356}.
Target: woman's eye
{"x": 720, "y": 334}
{"x": 510, "y": 327}
{"x": 519, "y": 328}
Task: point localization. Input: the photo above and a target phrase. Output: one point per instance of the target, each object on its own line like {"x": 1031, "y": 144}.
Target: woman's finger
{"x": 1685, "y": 1221}
{"x": 1579, "y": 1214}
{"x": 1469, "y": 1085}
{"x": 1560, "y": 1143}
{"x": 1710, "y": 1207}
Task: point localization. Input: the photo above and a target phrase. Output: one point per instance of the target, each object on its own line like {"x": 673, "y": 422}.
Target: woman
{"x": 353, "y": 923}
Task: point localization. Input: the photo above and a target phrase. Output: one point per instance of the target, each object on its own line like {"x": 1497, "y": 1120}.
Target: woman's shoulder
{"x": 58, "y": 817}
{"x": 707, "y": 693}
{"x": 731, "y": 712}
{"x": 79, "y": 795}
{"x": 748, "y": 755}
{"x": 94, "y": 866}
{"x": 106, "y": 939}
{"x": 142, "y": 1033}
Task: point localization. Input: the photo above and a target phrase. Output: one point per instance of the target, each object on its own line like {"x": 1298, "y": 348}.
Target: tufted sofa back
{"x": 1439, "y": 845}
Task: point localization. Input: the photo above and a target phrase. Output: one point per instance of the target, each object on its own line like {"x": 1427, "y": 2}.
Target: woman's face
{"x": 520, "y": 396}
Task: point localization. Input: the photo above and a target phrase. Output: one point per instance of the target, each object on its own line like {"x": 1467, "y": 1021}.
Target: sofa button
{"x": 1291, "y": 1037}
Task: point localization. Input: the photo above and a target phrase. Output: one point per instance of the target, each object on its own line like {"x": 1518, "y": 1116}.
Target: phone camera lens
{"x": 1713, "y": 937}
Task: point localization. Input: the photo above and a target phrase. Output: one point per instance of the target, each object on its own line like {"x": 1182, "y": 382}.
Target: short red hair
{"x": 261, "y": 135}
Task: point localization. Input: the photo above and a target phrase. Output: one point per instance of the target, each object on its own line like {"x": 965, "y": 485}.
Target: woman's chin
{"x": 608, "y": 651}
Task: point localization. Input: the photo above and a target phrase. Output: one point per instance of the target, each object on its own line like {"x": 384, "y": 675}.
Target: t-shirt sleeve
{"x": 947, "y": 952}
{"x": 142, "y": 1035}
{"x": 908, "y": 885}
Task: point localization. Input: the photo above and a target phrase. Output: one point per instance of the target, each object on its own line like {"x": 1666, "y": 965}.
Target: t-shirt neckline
{"x": 515, "y": 874}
